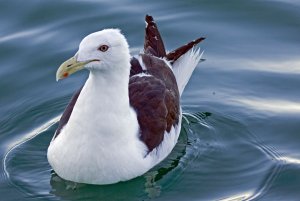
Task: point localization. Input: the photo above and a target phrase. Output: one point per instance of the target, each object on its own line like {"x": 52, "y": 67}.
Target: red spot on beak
{"x": 66, "y": 74}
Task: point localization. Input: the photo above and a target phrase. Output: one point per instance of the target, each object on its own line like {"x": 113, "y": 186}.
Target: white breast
{"x": 104, "y": 147}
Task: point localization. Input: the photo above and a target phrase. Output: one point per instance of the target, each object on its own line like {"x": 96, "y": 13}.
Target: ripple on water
{"x": 214, "y": 154}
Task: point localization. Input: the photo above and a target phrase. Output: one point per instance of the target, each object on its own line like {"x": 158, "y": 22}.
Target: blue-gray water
{"x": 240, "y": 137}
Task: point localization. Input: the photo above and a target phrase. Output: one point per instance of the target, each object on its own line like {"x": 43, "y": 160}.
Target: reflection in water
{"x": 18, "y": 145}
{"x": 290, "y": 160}
{"x": 20, "y": 35}
{"x": 291, "y": 66}
{"x": 239, "y": 197}
{"x": 274, "y": 106}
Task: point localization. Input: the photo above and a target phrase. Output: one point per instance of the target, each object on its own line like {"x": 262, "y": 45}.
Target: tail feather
{"x": 184, "y": 66}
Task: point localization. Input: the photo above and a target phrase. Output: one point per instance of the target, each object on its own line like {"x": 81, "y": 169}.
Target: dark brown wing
{"x": 67, "y": 113}
{"x": 154, "y": 44}
{"x": 175, "y": 54}
{"x": 155, "y": 99}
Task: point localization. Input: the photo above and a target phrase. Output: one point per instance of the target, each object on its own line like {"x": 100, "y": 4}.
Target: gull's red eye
{"x": 103, "y": 48}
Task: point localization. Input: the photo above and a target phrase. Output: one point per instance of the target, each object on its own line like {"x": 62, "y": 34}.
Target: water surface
{"x": 240, "y": 136}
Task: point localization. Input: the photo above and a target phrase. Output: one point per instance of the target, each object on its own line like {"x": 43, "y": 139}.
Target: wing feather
{"x": 155, "y": 99}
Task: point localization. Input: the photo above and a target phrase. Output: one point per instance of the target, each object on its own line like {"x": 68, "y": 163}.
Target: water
{"x": 240, "y": 137}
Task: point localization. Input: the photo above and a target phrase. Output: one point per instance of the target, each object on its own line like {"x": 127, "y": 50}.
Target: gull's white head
{"x": 107, "y": 47}
{"x": 103, "y": 50}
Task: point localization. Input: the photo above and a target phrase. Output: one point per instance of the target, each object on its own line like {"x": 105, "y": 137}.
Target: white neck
{"x": 111, "y": 87}
{"x": 104, "y": 91}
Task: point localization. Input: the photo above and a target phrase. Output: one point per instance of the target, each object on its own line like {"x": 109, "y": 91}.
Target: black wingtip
{"x": 175, "y": 54}
{"x": 198, "y": 40}
{"x": 154, "y": 44}
{"x": 149, "y": 18}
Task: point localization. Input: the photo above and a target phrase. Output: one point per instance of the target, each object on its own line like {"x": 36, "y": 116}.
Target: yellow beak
{"x": 69, "y": 67}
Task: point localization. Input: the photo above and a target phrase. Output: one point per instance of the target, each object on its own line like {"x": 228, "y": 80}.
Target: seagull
{"x": 127, "y": 116}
